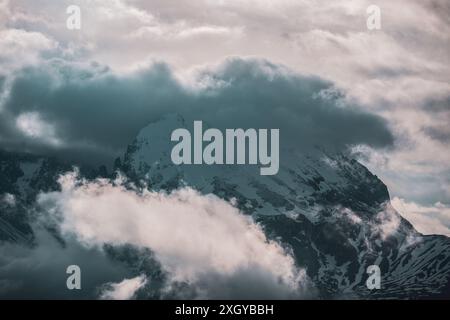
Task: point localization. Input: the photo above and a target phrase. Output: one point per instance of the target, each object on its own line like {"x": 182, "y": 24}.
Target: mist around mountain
{"x": 149, "y": 229}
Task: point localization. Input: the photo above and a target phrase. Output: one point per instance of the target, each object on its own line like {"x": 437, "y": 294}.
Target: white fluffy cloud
{"x": 32, "y": 125}
{"x": 124, "y": 290}
{"x": 199, "y": 240}
{"x": 19, "y": 48}
{"x": 426, "y": 219}
{"x": 387, "y": 221}
{"x": 8, "y": 199}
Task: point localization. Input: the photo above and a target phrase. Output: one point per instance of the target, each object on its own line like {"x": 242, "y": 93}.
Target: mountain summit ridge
{"x": 323, "y": 206}
{"x": 331, "y": 210}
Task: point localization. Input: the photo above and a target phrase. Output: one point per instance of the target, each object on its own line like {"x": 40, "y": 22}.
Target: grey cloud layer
{"x": 94, "y": 111}
{"x": 401, "y": 72}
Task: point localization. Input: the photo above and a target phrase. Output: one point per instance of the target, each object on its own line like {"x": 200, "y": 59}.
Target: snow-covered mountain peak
{"x": 331, "y": 210}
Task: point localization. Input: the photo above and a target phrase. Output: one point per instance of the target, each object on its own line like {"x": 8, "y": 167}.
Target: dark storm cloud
{"x": 40, "y": 272}
{"x": 308, "y": 110}
{"x": 93, "y": 112}
{"x": 96, "y": 114}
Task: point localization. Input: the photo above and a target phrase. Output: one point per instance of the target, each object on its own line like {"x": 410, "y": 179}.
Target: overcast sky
{"x": 394, "y": 81}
